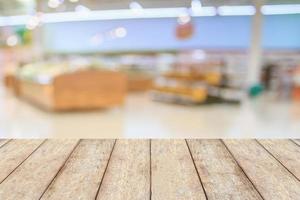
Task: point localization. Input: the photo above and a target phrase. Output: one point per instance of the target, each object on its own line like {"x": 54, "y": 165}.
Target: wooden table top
{"x": 149, "y": 169}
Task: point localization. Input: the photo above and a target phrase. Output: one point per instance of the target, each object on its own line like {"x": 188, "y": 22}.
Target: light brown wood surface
{"x": 89, "y": 89}
{"x": 271, "y": 179}
{"x": 145, "y": 170}
{"x": 128, "y": 173}
{"x": 173, "y": 173}
{"x": 86, "y": 89}
{"x": 222, "y": 178}
{"x": 38, "y": 94}
{"x": 286, "y": 152}
{"x": 31, "y": 178}
{"x": 80, "y": 178}
{"x": 3, "y": 142}
{"x": 14, "y": 153}
{"x": 297, "y": 142}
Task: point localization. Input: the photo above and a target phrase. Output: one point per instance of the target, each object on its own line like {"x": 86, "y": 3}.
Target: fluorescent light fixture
{"x": 82, "y": 8}
{"x": 184, "y": 19}
{"x": 149, "y": 13}
{"x": 124, "y": 14}
{"x": 236, "y": 10}
{"x": 107, "y": 15}
{"x": 204, "y": 11}
{"x": 281, "y": 9}
{"x": 135, "y": 5}
{"x": 14, "y": 20}
{"x": 54, "y": 3}
{"x": 196, "y": 4}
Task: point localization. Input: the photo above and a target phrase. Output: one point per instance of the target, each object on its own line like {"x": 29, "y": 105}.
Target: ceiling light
{"x": 149, "y": 13}
{"x": 135, "y": 6}
{"x": 281, "y": 9}
{"x": 73, "y": 1}
{"x": 196, "y": 4}
{"x": 33, "y": 22}
{"x": 54, "y": 3}
{"x": 204, "y": 11}
{"x": 120, "y": 32}
{"x": 184, "y": 19}
{"x": 236, "y": 10}
{"x": 81, "y": 8}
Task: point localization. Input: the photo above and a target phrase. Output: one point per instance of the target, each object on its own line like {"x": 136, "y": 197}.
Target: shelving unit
{"x": 196, "y": 83}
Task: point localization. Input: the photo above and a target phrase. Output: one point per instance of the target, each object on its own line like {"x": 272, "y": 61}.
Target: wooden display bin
{"x": 296, "y": 93}
{"x": 139, "y": 84}
{"x": 90, "y": 89}
{"x": 12, "y": 83}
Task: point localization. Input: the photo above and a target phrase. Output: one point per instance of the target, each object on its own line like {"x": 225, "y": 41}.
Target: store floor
{"x": 142, "y": 118}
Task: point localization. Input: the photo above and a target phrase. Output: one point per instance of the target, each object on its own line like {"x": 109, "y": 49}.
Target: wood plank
{"x": 173, "y": 173}
{"x": 81, "y": 176}
{"x": 14, "y": 153}
{"x": 297, "y": 141}
{"x": 31, "y": 178}
{"x": 221, "y": 176}
{"x": 3, "y": 142}
{"x": 287, "y": 152}
{"x": 128, "y": 172}
{"x": 271, "y": 179}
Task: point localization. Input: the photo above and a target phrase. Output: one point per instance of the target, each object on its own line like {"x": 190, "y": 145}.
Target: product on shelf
{"x": 296, "y": 80}
{"x": 196, "y": 82}
{"x": 138, "y": 80}
{"x": 139, "y": 70}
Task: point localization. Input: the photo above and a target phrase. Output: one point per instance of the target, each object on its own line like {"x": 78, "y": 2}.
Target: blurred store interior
{"x": 149, "y": 68}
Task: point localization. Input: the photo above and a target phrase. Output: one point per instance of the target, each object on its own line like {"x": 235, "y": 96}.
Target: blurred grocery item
{"x": 197, "y": 81}
{"x": 296, "y": 80}
{"x": 256, "y": 90}
{"x": 140, "y": 71}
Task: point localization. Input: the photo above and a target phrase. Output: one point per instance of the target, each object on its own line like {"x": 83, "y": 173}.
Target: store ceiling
{"x": 18, "y": 7}
{"x": 121, "y": 4}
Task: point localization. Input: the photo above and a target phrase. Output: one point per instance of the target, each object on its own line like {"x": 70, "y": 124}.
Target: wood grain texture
{"x": 81, "y": 176}
{"x": 297, "y": 141}
{"x": 271, "y": 179}
{"x": 31, "y": 178}
{"x": 173, "y": 173}
{"x": 84, "y": 89}
{"x": 287, "y": 152}
{"x": 221, "y": 176}
{"x": 128, "y": 173}
{"x": 3, "y": 142}
{"x": 14, "y": 153}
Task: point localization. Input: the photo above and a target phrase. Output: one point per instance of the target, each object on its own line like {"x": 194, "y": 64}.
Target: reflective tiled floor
{"x": 142, "y": 118}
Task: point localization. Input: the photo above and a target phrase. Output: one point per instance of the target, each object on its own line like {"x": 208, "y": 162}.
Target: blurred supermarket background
{"x": 149, "y": 68}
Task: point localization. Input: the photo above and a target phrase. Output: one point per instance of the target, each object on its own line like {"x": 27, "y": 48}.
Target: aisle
{"x": 142, "y": 118}
{"x": 149, "y": 169}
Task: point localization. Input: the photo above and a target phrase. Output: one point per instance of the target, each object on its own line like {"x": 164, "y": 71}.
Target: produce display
{"x": 296, "y": 80}
{"x": 139, "y": 70}
{"x": 195, "y": 82}
{"x": 65, "y": 86}
{"x": 45, "y": 72}
{"x": 138, "y": 80}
